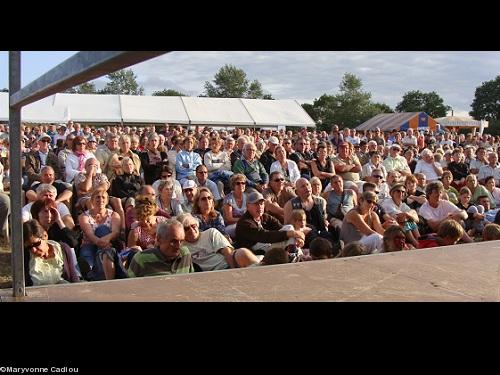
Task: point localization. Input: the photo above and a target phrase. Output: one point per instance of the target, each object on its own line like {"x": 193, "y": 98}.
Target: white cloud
{"x": 387, "y": 75}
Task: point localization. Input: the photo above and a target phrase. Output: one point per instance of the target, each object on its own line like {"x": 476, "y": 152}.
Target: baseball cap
{"x": 398, "y": 187}
{"x": 395, "y": 145}
{"x": 255, "y": 197}
{"x": 189, "y": 184}
{"x": 44, "y": 136}
{"x": 274, "y": 141}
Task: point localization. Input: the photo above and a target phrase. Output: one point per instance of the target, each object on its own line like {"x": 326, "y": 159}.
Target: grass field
{"x": 5, "y": 268}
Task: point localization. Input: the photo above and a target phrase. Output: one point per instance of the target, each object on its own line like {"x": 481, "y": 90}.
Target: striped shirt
{"x": 152, "y": 262}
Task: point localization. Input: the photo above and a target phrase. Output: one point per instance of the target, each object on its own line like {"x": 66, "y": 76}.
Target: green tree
{"x": 486, "y": 104}
{"x": 168, "y": 92}
{"x": 84, "y": 88}
{"x": 232, "y": 82}
{"x": 382, "y": 108}
{"x": 122, "y": 82}
{"x": 351, "y": 107}
{"x": 430, "y": 103}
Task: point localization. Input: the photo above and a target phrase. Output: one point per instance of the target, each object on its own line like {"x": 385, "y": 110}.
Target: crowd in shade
{"x": 126, "y": 201}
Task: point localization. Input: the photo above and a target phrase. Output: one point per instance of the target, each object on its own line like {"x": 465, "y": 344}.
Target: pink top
{"x": 146, "y": 238}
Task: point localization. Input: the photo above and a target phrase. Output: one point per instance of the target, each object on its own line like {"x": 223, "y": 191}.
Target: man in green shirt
{"x": 168, "y": 258}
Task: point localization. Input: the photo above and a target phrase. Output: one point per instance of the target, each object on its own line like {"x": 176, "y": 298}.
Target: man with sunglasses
{"x": 211, "y": 250}
{"x": 169, "y": 257}
{"x": 276, "y": 196}
{"x": 36, "y": 160}
{"x": 396, "y": 162}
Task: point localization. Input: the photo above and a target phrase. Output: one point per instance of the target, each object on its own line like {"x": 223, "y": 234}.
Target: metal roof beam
{"x": 80, "y": 68}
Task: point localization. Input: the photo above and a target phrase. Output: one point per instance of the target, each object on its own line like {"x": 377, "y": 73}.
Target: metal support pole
{"x": 16, "y": 239}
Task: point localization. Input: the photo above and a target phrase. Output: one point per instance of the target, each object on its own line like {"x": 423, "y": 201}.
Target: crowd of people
{"x": 122, "y": 201}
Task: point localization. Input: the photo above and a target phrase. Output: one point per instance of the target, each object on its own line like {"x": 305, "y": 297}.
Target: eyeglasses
{"x": 240, "y": 183}
{"x": 166, "y": 175}
{"x": 378, "y": 176}
{"x": 279, "y": 180}
{"x": 36, "y": 244}
{"x": 45, "y": 140}
{"x": 191, "y": 226}
{"x": 370, "y": 201}
{"x": 206, "y": 198}
{"x": 81, "y": 143}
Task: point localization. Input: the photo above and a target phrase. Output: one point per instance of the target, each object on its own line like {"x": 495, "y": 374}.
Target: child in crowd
{"x": 321, "y": 248}
{"x": 491, "y": 232}
{"x": 299, "y": 223}
{"x": 449, "y": 232}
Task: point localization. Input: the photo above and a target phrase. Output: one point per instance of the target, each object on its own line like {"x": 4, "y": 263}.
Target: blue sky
{"x": 305, "y": 75}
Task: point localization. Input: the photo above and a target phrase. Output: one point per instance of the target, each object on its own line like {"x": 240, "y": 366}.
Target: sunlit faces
{"x": 171, "y": 245}
{"x": 256, "y": 209}
{"x": 191, "y": 230}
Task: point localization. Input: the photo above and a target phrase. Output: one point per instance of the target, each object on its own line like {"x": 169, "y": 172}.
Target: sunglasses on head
{"x": 36, "y": 244}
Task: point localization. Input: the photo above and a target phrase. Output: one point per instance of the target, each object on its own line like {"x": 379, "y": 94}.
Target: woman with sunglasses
{"x": 46, "y": 213}
{"x": 45, "y": 262}
{"x": 168, "y": 173}
{"x": 204, "y": 210}
{"x": 234, "y": 204}
{"x": 75, "y": 162}
{"x": 288, "y": 168}
{"x": 363, "y": 224}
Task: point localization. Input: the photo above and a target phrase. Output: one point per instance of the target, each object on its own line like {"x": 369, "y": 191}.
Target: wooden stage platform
{"x": 455, "y": 273}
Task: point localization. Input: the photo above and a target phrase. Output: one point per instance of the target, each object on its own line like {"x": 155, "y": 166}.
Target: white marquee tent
{"x": 130, "y": 109}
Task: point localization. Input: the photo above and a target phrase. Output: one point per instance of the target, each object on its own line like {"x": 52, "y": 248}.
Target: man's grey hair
{"x": 163, "y": 229}
{"x": 186, "y": 218}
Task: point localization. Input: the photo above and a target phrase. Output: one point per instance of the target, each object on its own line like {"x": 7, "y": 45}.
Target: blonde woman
{"x": 100, "y": 227}
{"x": 142, "y": 233}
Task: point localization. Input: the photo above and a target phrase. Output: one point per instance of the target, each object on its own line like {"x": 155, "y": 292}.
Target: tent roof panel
{"x": 387, "y": 121}
{"x": 277, "y": 112}
{"x": 152, "y": 109}
{"x": 223, "y": 111}
{"x": 91, "y": 107}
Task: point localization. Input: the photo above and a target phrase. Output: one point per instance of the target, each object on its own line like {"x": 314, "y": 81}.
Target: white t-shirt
{"x": 409, "y": 141}
{"x": 440, "y": 212}
{"x": 204, "y": 252}
{"x": 392, "y": 209}
{"x": 427, "y": 170}
{"x": 26, "y": 211}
